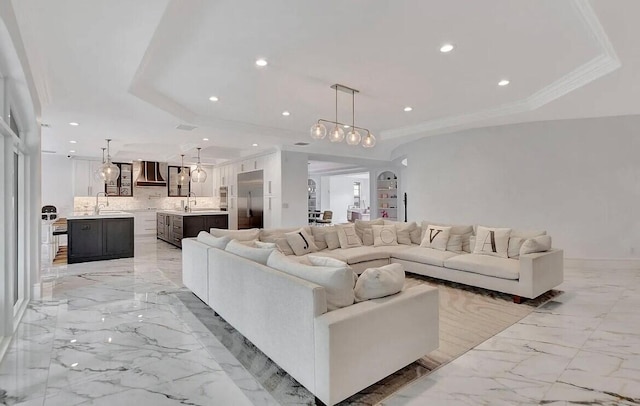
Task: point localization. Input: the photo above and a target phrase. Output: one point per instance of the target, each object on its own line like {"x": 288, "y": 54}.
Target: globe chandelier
{"x": 183, "y": 175}
{"x": 199, "y": 175}
{"x": 319, "y": 130}
{"x": 108, "y": 172}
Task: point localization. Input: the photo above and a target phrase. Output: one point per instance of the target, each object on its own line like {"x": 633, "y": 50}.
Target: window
{"x": 356, "y": 194}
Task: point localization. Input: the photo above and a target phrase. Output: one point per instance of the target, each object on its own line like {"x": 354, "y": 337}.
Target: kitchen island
{"x": 174, "y": 225}
{"x": 100, "y": 237}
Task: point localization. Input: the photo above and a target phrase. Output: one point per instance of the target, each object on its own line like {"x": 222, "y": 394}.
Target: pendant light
{"x": 97, "y": 174}
{"x": 199, "y": 175}
{"x": 183, "y": 175}
{"x": 353, "y": 136}
{"x": 109, "y": 172}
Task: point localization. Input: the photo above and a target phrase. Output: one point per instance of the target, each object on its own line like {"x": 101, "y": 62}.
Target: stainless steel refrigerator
{"x": 250, "y": 199}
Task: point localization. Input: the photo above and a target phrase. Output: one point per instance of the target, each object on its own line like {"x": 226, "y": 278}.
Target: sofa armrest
{"x": 195, "y": 259}
{"x": 540, "y": 272}
{"x": 358, "y": 345}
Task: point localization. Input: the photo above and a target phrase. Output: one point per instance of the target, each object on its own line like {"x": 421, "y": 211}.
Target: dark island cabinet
{"x": 99, "y": 239}
{"x": 172, "y": 228}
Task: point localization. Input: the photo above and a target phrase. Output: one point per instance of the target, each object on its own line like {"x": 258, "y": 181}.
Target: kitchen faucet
{"x": 195, "y": 202}
{"x": 96, "y": 209}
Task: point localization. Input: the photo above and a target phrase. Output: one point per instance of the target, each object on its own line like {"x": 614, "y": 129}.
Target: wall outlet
{"x": 285, "y": 205}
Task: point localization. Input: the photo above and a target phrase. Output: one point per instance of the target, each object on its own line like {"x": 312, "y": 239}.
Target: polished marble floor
{"x": 116, "y": 333}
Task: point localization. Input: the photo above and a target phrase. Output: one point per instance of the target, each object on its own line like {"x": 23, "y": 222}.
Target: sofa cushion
{"x": 337, "y": 282}
{"x": 436, "y": 237}
{"x": 301, "y": 241}
{"x": 384, "y": 235}
{"x": 514, "y": 247}
{"x": 357, "y": 254}
{"x": 216, "y": 242}
{"x": 423, "y": 255}
{"x": 458, "y": 229}
{"x": 367, "y": 237}
{"x": 361, "y": 225}
{"x": 347, "y": 236}
{"x": 416, "y": 235}
{"x": 504, "y": 268}
{"x": 255, "y": 254}
{"x": 455, "y": 243}
{"x": 332, "y": 239}
{"x": 492, "y": 241}
{"x": 267, "y": 245}
{"x": 538, "y": 244}
{"x": 525, "y": 234}
{"x": 379, "y": 282}
{"x": 240, "y": 235}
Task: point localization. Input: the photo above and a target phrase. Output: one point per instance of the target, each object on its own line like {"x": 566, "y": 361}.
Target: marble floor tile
{"x": 119, "y": 333}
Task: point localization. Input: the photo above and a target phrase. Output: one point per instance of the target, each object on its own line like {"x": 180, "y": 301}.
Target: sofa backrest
{"x": 273, "y": 310}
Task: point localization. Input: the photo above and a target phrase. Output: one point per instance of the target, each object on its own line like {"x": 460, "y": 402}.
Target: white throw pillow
{"x": 384, "y": 235}
{"x": 301, "y": 242}
{"x": 537, "y": 244}
{"x": 492, "y": 241}
{"x": 455, "y": 243}
{"x": 320, "y": 236}
{"x": 216, "y": 242}
{"x": 515, "y": 243}
{"x": 379, "y": 282}
{"x": 436, "y": 237}
{"x": 337, "y": 282}
{"x": 416, "y": 235}
{"x": 283, "y": 246}
{"x": 403, "y": 232}
{"x": 367, "y": 237}
{"x": 362, "y": 225}
{"x": 240, "y": 235}
{"x": 259, "y": 255}
{"x": 347, "y": 236}
{"x": 525, "y": 234}
{"x": 333, "y": 242}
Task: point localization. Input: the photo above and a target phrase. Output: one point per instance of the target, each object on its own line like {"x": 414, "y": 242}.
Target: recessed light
{"x": 205, "y": 139}
{"x": 213, "y": 98}
{"x": 72, "y": 151}
{"x": 73, "y": 123}
{"x": 503, "y": 82}
{"x": 408, "y": 108}
{"x": 261, "y": 62}
{"x": 346, "y": 126}
{"x": 286, "y": 113}
{"x": 446, "y": 48}
{"x": 254, "y": 145}
{"x": 73, "y": 142}
{"x": 139, "y": 159}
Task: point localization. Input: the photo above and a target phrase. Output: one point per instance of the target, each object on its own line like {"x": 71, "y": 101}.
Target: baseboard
{"x": 603, "y": 263}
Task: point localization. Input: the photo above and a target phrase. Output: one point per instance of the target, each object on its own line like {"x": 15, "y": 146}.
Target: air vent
{"x": 186, "y": 127}
{"x": 301, "y": 144}
{"x": 46, "y": 151}
{"x": 45, "y": 125}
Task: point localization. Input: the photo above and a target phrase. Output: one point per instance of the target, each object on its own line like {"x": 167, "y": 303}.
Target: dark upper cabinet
{"x": 123, "y": 186}
{"x": 173, "y": 188}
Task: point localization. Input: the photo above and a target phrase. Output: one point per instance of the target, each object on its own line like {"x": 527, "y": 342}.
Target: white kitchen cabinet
{"x": 271, "y": 212}
{"x": 233, "y": 214}
{"x": 233, "y": 180}
{"x": 84, "y": 183}
{"x": 271, "y": 168}
{"x": 145, "y": 223}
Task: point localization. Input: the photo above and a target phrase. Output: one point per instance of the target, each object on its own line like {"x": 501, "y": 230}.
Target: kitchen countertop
{"x": 103, "y": 215}
{"x": 194, "y": 213}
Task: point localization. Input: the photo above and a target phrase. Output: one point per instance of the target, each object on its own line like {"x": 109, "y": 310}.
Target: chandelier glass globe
{"x": 318, "y": 131}
{"x": 337, "y": 134}
{"x": 369, "y": 141}
{"x": 353, "y": 137}
{"x": 183, "y": 173}
{"x": 199, "y": 175}
{"x": 110, "y": 171}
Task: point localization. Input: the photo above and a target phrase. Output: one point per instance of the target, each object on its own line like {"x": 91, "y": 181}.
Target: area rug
{"x": 468, "y": 317}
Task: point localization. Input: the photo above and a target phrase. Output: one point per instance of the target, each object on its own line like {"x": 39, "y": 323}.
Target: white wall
{"x": 57, "y": 183}
{"x": 340, "y": 195}
{"x": 578, "y": 179}
{"x": 295, "y": 171}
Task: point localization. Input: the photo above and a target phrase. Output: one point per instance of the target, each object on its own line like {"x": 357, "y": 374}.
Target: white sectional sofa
{"x": 334, "y": 354}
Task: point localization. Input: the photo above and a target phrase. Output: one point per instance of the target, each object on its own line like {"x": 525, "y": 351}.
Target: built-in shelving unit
{"x": 387, "y": 194}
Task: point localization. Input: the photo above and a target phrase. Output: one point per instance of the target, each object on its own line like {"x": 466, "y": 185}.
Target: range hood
{"x": 150, "y": 175}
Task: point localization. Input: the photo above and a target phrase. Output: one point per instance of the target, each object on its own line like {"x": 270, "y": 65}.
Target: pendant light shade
{"x": 336, "y": 135}
{"x": 199, "y": 175}
{"x": 109, "y": 172}
{"x": 353, "y": 137}
{"x": 369, "y": 141}
{"x": 183, "y": 175}
{"x": 318, "y": 131}
{"x": 97, "y": 174}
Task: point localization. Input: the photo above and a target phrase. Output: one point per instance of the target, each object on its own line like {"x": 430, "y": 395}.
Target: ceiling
{"x": 134, "y": 76}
